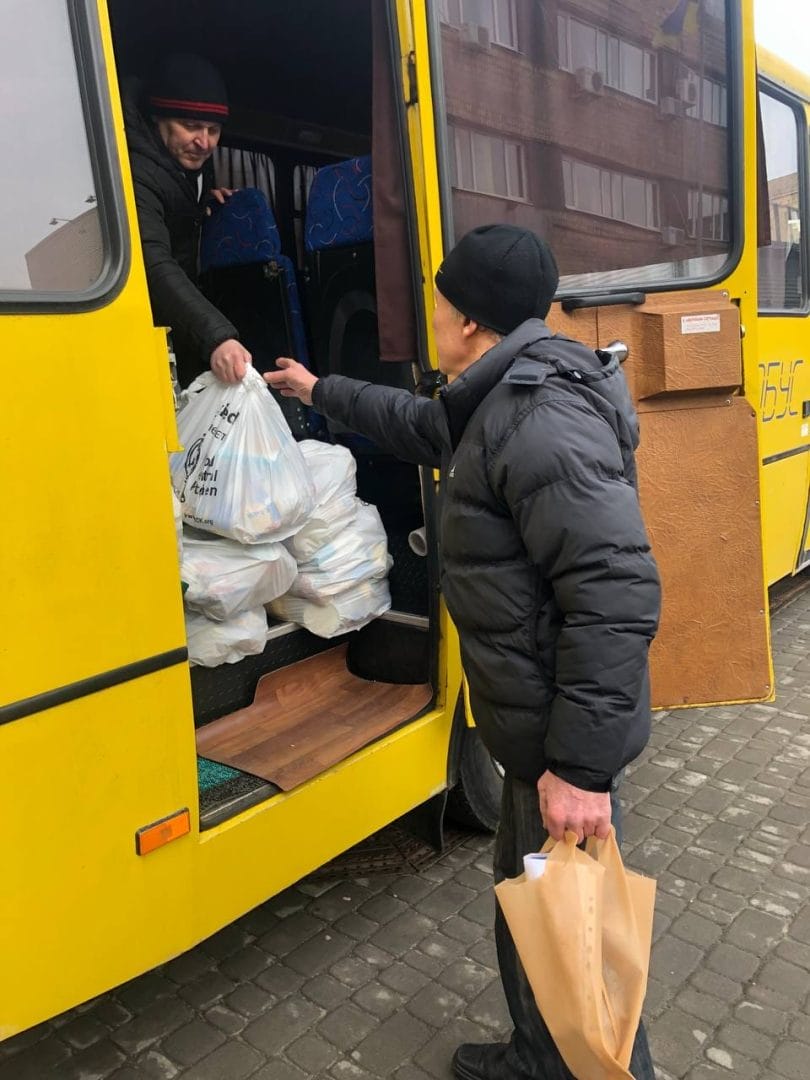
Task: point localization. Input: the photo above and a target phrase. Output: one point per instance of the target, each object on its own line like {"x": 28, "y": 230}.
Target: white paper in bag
{"x": 349, "y": 610}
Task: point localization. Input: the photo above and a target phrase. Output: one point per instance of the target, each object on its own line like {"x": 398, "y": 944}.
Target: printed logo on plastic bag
{"x": 242, "y": 475}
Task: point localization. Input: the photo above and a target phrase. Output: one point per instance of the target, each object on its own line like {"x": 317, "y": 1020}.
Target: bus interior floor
{"x": 307, "y": 717}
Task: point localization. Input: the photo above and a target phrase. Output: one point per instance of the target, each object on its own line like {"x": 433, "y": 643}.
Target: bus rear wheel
{"x": 475, "y": 801}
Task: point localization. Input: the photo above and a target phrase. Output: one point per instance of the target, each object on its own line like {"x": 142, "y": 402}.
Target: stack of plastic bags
{"x": 243, "y": 478}
{"x": 342, "y": 553}
{"x": 268, "y": 524}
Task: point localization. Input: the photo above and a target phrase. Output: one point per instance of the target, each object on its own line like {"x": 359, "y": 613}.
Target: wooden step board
{"x": 306, "y": 718}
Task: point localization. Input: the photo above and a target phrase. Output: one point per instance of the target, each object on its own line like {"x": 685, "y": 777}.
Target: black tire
{"x": 475, "y": 801}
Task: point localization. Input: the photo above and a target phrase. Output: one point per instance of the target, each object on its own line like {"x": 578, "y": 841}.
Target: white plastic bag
{"x": 178, "y": 525}
{"x": 349, "y": 610}
{"x": 358, "y": 553}
{"x": 224, "y": 577}
{"x": 333, "y": 471}
{"x": 213, "y": 643}
{"x": 241, "y": 474}
{"x": 324, "y": 524}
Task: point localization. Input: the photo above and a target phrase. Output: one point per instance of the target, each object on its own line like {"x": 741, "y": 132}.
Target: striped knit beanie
{"x": 188, "y": 87}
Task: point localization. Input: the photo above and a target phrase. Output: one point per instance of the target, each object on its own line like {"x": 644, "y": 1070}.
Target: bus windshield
{"x": 602, "y": 126}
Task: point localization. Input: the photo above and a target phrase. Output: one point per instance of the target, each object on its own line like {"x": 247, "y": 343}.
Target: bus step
{"x": 307, "y": 717}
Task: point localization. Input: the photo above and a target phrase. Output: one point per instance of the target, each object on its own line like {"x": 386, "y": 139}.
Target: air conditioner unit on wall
{"x": 686, "y": 91}
{"x": 589, "y": 81}
{"x": 672, "y": 106}
{"x": 475, "y": 35}
{"x": 672, "y": 235}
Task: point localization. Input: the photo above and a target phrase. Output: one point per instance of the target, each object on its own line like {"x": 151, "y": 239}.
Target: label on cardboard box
{"x": 700, "y": 324}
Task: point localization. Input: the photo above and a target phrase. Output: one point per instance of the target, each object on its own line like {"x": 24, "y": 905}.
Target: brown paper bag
{"x": 583, "y": 933}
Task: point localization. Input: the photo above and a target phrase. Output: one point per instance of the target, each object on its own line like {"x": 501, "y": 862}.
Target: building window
{"x": 623, "y": 66}
{"x": 497, "y": 17}
{"x": 488, "y": 164}
{"x": 708, "y": 215}
{"x": 707, "y": 98}
{"x": 610, "y": 194}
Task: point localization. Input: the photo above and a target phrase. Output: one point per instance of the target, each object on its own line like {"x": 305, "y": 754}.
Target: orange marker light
{"x": 153, "y": 836}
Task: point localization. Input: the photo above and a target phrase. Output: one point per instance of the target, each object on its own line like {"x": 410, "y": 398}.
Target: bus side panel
{"x": 784, "y": 369}
{"x": 82, "y": 911}
{"x": 262, "y": 851}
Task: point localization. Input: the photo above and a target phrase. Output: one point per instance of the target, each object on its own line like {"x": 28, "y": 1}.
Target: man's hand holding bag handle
{"x": 583, "y": 932}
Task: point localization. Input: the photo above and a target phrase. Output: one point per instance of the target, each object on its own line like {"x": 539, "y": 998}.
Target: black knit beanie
{"x": 499, "y": 276}
{"x": 187, "y": 86}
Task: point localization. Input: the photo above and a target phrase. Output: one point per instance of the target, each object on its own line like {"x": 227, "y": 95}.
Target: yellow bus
{"x": 783, "y": 327}
{"x": 627, "y": 133}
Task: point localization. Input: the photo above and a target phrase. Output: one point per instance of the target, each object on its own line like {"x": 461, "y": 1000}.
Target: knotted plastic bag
{"x": 224, "y": 578}
{"x": 583, "y": 933}
{"x": 213, "y": 643}
{"x": 241, "y": 474}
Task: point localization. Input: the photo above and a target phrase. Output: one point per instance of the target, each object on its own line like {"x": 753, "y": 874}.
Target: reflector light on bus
{"x": 153, "y": 836}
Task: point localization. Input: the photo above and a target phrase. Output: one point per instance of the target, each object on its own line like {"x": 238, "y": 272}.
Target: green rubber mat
{"x": 225, "y": 791}
{"x": 211, "y": 774}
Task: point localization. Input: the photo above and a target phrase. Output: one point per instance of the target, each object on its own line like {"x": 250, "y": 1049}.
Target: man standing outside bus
{"x": 546, "y": 566}
{"x": 173, "y": 127}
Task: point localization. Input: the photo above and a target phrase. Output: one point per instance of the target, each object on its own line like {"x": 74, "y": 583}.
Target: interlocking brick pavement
{"x": 383, "y": 975}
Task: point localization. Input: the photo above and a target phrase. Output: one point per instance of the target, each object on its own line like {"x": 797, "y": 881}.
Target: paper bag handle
{"x": 593, "y": 845}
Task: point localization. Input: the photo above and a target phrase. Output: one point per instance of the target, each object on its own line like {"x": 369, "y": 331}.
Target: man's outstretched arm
{"x": 411, "y": 428}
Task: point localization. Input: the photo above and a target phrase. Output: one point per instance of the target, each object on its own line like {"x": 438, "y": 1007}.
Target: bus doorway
{"x": 312, "y": 118}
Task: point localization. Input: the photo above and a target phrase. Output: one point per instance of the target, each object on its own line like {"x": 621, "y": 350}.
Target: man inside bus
{"x": 173, "y": 126}
{"x": 547, "y": 570}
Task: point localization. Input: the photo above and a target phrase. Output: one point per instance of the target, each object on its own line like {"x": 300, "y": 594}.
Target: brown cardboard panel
{"x": 678, "y": 343}
{"x": 698, "y": 482}
{"x": 307, "y": 717}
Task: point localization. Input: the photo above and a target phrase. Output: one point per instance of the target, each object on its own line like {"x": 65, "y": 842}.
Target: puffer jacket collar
{"x": 463, "y": 396}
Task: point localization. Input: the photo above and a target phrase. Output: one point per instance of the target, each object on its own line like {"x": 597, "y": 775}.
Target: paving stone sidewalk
{"x": 382, "y": 976}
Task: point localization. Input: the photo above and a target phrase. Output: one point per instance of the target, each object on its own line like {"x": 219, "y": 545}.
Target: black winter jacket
{"x": 546, "y": 566}
{"x": 170, "y": 216}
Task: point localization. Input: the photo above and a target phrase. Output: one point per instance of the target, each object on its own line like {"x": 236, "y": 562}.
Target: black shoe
{"x": 481, "y": 1061}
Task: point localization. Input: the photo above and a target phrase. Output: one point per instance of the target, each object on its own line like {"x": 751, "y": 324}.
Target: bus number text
{"x": 778, "y": 383}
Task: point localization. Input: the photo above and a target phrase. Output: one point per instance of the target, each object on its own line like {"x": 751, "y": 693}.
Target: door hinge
{"x": 413, "y": 91}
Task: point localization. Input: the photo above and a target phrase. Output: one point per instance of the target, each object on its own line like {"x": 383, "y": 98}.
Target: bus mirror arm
{"x": 573, "y": 303}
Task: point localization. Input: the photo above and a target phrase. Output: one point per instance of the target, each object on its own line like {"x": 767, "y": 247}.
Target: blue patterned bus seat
{"x": 240, "y": 232}
{"x": 243, "y": 232}
{"x": 339, "y": 208}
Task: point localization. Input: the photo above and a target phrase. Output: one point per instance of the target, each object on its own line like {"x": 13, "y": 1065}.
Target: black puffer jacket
{"x": 170, "y": 216}
{"x": 547, "y": 570}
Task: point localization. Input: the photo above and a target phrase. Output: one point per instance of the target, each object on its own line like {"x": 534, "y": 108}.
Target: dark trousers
{"x": 531, "y": 1052}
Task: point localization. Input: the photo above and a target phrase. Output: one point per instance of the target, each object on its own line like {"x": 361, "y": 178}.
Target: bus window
{"x": 50, "y": 234}
{"x": 603, "y": 127}
{"x": 781, "y": 274}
